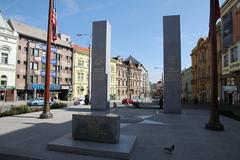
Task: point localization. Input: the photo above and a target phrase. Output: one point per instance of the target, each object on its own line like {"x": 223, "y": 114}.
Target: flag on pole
{"x": 214, "y": 7}
{"x": 54, "y": 22}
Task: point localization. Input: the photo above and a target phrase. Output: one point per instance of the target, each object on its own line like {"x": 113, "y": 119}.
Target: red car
{"x": 127, "y": 101}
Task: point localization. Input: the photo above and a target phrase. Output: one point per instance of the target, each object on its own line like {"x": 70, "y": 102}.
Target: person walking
{"x": 161, "y": 103}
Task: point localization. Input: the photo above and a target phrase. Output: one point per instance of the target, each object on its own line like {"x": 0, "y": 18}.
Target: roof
{"x": 36, "y": 33}
{"x": 4, "y": 24}
{"x": 79, "y": 48}
{"x": 133, "y": 60}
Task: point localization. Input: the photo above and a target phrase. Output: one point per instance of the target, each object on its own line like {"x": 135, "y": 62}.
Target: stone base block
{"x": 96, "y": 126}
{"x": 121, "y": 150}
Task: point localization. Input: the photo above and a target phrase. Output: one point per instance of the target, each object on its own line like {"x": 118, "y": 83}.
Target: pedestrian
{"x": 114, "y": 105}
{"x": 161, "y": 103}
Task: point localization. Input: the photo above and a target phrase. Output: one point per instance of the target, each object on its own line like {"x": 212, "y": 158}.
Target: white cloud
{"x": 72, "y": 6}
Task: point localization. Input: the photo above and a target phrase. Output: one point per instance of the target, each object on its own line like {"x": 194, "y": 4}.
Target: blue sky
{"x": 136, "y": 24}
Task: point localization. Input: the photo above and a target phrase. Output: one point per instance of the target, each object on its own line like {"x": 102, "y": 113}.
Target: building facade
{"x": 187, "y": 85}
{"x": 80, "y": 71}
{"x": 31, "y": 63}
{"x": 201, "y": 69}
{"x": 230, "y": 15}
{"x": 113, "y": 80}
{"x": 132, "y": 79}
{"x": 8, "y": 45}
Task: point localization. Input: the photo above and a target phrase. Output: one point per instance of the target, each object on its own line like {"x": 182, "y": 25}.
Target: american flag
{"x": 54, "y": 22}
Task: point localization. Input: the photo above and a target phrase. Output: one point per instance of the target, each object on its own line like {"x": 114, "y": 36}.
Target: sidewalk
{"x": 27, "y": 136}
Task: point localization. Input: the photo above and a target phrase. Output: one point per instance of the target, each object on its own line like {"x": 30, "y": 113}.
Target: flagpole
{"x": 214, "y": 122}
{"x": 46, "y": 109}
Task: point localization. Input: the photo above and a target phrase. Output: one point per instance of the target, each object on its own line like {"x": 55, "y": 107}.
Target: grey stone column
{"x": 101, "y": 54}
{"x": 172, "y": 64}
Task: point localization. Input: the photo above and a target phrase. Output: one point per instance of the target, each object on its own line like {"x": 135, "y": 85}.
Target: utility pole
{"x": 46, "y": 109}
{"x": 214, "y": 122}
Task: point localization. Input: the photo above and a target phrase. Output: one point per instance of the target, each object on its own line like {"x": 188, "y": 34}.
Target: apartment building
{"x": 31, "y": 63}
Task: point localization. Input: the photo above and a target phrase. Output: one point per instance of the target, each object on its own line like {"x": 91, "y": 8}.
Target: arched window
{"x": 119, "y": 92}
{"x": 4, "y": 52}
{"x": 3, "y": 80}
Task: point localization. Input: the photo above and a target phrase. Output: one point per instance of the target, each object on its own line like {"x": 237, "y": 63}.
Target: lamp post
{"x": 89, "y": 63}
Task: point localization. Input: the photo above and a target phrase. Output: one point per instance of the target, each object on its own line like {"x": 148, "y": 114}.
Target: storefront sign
{"x": 65, "y": 87}
{"x": 230, "y": 88}
{"x": 36, "y": 86}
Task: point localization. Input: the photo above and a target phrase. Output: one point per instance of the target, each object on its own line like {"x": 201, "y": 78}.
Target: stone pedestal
{"x": 172, "y": 64}
{"x": 96, "y": 126}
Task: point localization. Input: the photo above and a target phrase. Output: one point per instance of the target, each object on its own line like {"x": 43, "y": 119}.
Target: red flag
{"x": 214, "y": 7}
{"x": 54, "y": 22}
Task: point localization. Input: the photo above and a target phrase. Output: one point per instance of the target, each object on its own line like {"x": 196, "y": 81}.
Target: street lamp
{"x": 89, "y": 62}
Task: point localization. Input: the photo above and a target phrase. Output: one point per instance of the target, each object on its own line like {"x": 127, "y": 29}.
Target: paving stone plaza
{"x": 26, "y": 136}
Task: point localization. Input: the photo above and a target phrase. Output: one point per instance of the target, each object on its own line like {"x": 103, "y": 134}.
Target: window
{"x": 18, "y": 76}
{"x": 25, "y": 62}
{"x": 24, "y": 76}
{"x": 34, "y": 65}
{"x": 42, "y": 79}
{"x": 18, "y": 61}
{"x": 82, "y": 75}
{"x": 54, "y": 80}
{"x": 78, "y": 76}
{"x": 5, "y": 58}
{"x": 19, "y": 47}
{"x": 225, "y": 60}
{"x": 36, "y": 52}
{"x": 54, "y": 55}
{"x": 59, "y": 57}
{"x": 26, "y": 49}
{"x": 44, "y": 53}
{"x": 234, "y": 55}
{"x": 3, "y": 80}
{"x": 43, "y": 66}
{"x": 34, "y": 79}
{"x": 80, "y": 63}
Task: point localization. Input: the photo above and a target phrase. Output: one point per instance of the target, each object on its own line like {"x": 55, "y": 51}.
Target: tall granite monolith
{"x": 101, "y": 54}
{"x": 172, "y": 64}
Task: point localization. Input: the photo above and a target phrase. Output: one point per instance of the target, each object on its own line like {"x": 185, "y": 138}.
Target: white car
{"x": 79, "y": 101}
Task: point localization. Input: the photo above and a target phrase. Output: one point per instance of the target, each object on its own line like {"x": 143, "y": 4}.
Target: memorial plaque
{"x": 96, "y": 126}
{"x": 101, "y": 54}
{"x": 172, "y": 64}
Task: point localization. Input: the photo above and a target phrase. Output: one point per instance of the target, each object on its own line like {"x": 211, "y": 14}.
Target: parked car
{"x": 36, "y": 102}
{"x": 79, "y": 101}
{"x": 127, "y": 101}
{"x": 39, "y": 102}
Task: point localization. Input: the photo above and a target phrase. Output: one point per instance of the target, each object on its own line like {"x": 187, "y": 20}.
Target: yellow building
{"x": 80, "y": 72}
{"x": 201, "y": 69}
{"x": 113, "y": 79}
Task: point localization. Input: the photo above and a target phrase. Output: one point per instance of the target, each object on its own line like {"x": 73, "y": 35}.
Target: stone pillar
{"x": 101, "y": 54}
{"x": 172, "y": 64}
